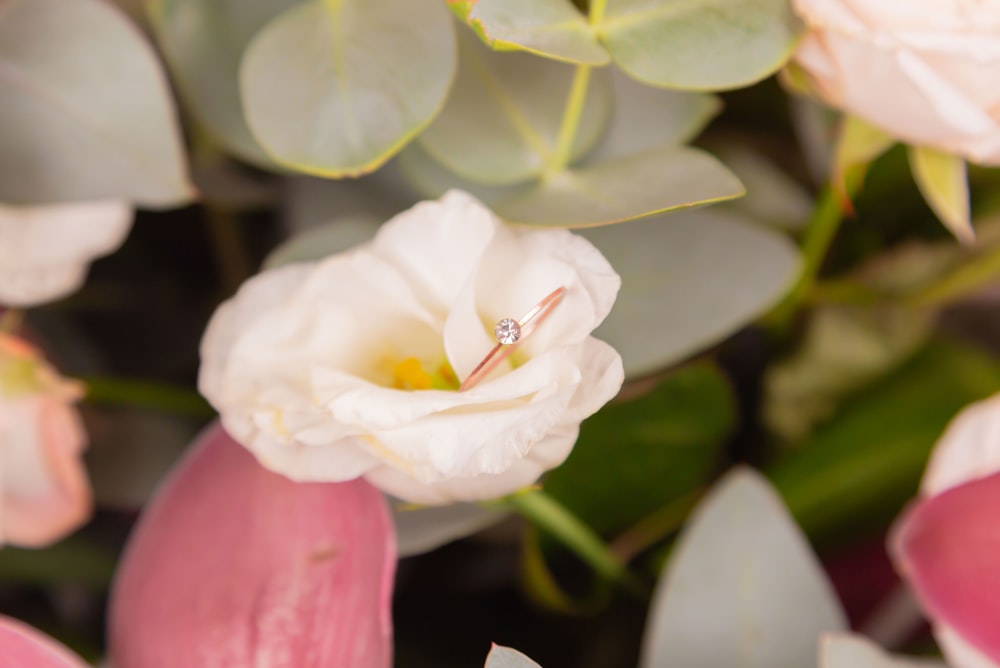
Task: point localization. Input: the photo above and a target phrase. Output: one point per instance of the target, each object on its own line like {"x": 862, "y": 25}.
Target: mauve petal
{"x": 232, "y": 565}
{"x": 21, "y": 646}
{"x": 948, "y": 547}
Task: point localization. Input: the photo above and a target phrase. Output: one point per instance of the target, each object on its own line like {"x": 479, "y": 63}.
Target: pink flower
{"x": 947, "y": 545}
{"x": 44, "y": 492}
{"x": 21, "y": 645}
{"x": 232, "y": 565}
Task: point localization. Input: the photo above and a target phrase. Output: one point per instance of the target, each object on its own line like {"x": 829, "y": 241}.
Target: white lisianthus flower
{"x": 925, "y": 71}
{"x": 349, "y": 366}
{"x": 45, "y": 250}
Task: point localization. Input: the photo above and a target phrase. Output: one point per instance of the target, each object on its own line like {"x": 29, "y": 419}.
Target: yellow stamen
{"x": 410, "y": 375}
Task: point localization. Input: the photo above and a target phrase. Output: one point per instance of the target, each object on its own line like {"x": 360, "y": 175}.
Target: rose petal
{"x": 948, "y": 546}
{"x": 232, "y": 565}
{"x": 21, "y": 646}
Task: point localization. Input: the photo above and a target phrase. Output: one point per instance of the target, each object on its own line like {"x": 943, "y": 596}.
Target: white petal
{"x": 958, "y": 652}
{"x": 968, "y": 450}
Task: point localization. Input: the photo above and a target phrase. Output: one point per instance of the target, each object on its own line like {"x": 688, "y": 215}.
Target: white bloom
{"x": 326, "y": 370}
{"x": 45, "y": 250}
{"x": 926, "y": 71}
{"x": 968, "y": 450}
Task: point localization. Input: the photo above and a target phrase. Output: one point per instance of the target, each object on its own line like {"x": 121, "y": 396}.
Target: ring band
{"x": 509, "y": 333}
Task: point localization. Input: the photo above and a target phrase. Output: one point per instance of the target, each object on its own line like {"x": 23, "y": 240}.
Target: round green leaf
{"x": 688, "y": 281}
{"x": 203, "y": 43}
{"x": 700, "y": 44}
{"x": 336, "y": 88}
{"x": 637, "y": 185}
{"x": 502, "y": 118}
{"x": 85, "y": 109}
{"x": 550, "y": 28}
{"x": 429, "y": 178}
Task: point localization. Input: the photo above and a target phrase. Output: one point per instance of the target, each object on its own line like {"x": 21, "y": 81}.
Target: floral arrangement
{"x": 359, "y": 333}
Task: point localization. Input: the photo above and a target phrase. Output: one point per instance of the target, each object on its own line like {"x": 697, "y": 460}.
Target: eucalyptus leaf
{"x": 85, "y": 108}
{"x": 689, "y": 280}
{"x": 743, "y": 588}
{"x": 420, "y": 530}
{"x": 503, "y": 115}
{"x": 505, "y": 657}
{"x": 319, "y": 242}
{"x": 646, "y": 117}
{"x": 700, "y": 44}
{"x": 843, "y": 650}
{"x": 659, "y": 447}
{"x": 551, "y": 28}
{"x": 203, "y": 43}
{"x": 429, "y": 178}
{"x": 335, "y": 88}
{"x": 634, "y": 186}
{"x": 943, "y": 182}
{"x": 773, "y": 197}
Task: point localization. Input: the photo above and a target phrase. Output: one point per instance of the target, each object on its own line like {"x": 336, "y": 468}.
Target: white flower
{"x": 328, "y": 371}
{"x": 45, "y": 250}
{"x": 44, "y": 492}
{"x": 926, "y": 71}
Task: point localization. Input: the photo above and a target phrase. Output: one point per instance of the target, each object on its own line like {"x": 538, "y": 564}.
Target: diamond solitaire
{"x": 507, "y": 331}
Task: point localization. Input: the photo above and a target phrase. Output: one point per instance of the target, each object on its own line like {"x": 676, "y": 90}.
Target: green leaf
{"x": 743, "y": 588}
{"x": 429, "y": 178}
{"x": 700, "y": 44}
{"x": 502, "y": 118}
{"x": 550, "y": 28}
{"x": 203, "y": 43}
{"x": 943, "y": 183}
{"x": 858, "y": 144}
{"x": 773, "y": 197}
{"x": 335, "y": 88}
{"x": 646, "y": 117}
{"x": 71, "y": 561}
{"x": 689, "y": 280}
{"x": 634, "y": 186}
{"x": 85, "y": 109}
{"x": 318, "y": 242}
{"x": 636, "y": 456}
{"x": 859, "y": 469}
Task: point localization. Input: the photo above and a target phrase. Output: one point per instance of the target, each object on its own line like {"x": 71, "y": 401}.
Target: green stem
{"x": 570, "y": 121}
{"x": 654, "y": 528}
{"x": 819, "y": 235}
{"x": 147, "y": 394}
{"x": 596, "y": 12}
{"x": 548, "y": 514}
{"x": 963, "y": 281}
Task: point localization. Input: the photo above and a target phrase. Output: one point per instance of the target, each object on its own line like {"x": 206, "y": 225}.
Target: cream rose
{"x": 45, "y": 250}
{"x": 348, "y": 366}
{"x": 926, "y": 71}
{"x": 44, "y": 492}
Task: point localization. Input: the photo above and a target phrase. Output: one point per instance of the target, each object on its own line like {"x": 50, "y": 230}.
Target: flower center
{"x": 410, "y": 374}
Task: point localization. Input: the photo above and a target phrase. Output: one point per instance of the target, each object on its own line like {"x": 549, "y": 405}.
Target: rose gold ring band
{"x": 509, "y": 334}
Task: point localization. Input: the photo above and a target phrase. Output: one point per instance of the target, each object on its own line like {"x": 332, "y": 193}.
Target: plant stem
{"x": 595, "y": 15}
{"x": 147, "y": 394}
{"x": 654, "y": 528}
{"x": 234, "y": 263}
{"x": 819, "y": 235}
{"x": 548, "y": 514}
{"x": 570, "y": 121}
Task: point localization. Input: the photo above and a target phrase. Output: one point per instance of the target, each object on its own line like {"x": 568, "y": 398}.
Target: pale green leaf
{"x": 503, "y": 115}
{"x": 743, "y": 588}
{"x": 203, "y": 43}
{"x": 943, "y": 183}
{"x": 505, "y": 657}
{"x": 85, "y": 109}
{"x": 700, "y": 44}
{"x": 634, "y": 186}
{"x": 551, "y": 28}
{"x": 429, "y": 178}
{"x": 318, "y": 242}
{"x": 845, "y": 650}
{"x": 336, "y": 88}
{"x": 689, "y": 280}
{"x": 858, "y": 144}
{"x": 646, "y": 117}
{"x": 773, "y": 197}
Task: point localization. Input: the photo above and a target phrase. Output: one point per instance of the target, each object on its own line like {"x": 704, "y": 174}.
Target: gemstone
{"x": 507, "y": 331}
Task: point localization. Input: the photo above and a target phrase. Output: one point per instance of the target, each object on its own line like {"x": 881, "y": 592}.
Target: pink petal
{"x": 948, "y": 547}
{"x": 232, "y": 565}
{"x": 24, "y": 647}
